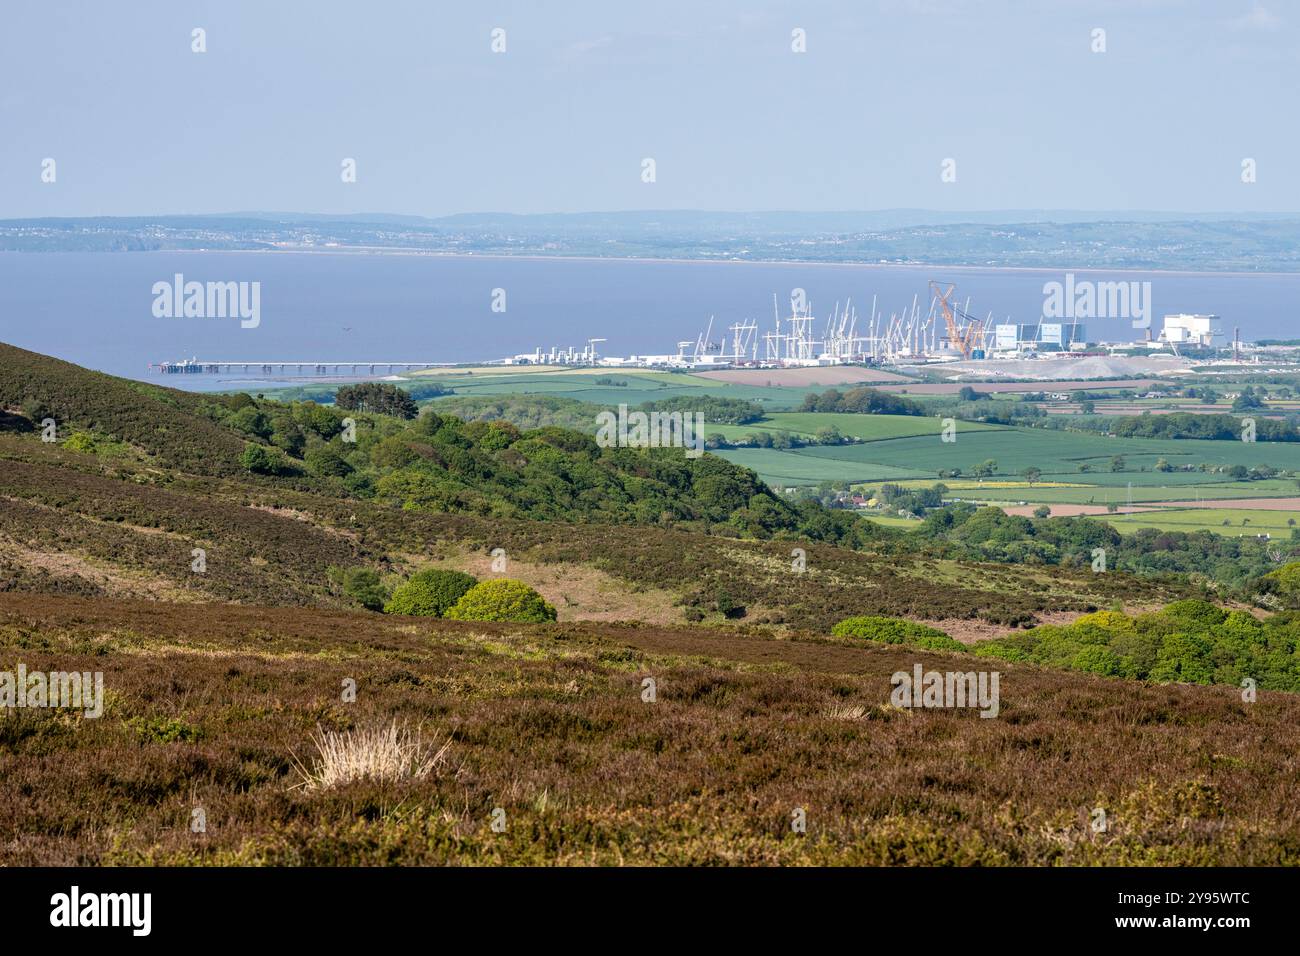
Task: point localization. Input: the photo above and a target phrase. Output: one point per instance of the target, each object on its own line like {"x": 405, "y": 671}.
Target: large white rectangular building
{"x": 1186, "y": 329}
{"x": 1042, "y": 336}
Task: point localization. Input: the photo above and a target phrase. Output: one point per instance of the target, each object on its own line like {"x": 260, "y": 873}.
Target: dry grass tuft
{"x": 842, "y": 710}
{"x": 381, "y": 754}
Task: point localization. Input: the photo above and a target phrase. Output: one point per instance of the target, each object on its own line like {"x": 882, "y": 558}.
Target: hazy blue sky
{"x": 710, "y": 89}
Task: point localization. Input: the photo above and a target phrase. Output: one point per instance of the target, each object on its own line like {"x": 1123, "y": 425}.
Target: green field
{"x": 867, "y": 428}
{"x": 900, "y": 447}
{"x": 891, "y": 521}
{"x": 640, "y": 387}
{"x": 1185, "y": 488}
{"x": 793, "y": 468}
{"x": 1273, "y": 523}
{"x": 1060, "y": 453}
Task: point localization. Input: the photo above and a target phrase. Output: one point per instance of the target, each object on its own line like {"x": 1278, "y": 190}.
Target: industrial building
{"x": 1197, "y": 331}
{"x": 1039, "y": 337}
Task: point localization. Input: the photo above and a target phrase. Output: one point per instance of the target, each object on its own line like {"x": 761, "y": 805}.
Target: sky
{"x": 715, "y": 93}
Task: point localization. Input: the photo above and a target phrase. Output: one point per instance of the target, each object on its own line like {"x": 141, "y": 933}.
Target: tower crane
{"x": 962, "y": 339}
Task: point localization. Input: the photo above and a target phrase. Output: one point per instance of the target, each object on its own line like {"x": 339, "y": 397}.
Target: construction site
{"x": 941, "y": 329}
{"x": 944, "y": 330}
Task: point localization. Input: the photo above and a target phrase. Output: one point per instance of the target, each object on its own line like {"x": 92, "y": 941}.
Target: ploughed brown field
{"x": 212, "y": 705}
{"x": 1073, "y": 511}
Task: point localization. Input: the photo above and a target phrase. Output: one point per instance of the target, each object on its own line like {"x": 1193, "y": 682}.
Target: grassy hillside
{"x": 101, "y": 518}
{"x": 691, "y": 572}
{"x": 172, "y": 426}
{"x": 122, "y": 534}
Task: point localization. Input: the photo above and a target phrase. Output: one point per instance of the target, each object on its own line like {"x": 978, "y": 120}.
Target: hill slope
{"x": 548, "y": 723}
{"x": 95, "y": 518}
{"x": 219, "y": 674}
{"x": 171, "y": 425}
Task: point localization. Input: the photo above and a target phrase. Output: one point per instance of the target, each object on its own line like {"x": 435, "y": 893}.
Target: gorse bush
{"x": 502, "y": 599}
{"x": 889, "y": 630}
{"x": 1283, "y": 584}
{"x": 80, "y": 441}
{"x": 1191, "y": 642}
{"x": 430, "y": 593}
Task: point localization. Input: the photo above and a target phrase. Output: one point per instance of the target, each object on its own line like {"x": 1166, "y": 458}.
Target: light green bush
{"x": 889, "y": 630}
{"x": 502, "y": 599}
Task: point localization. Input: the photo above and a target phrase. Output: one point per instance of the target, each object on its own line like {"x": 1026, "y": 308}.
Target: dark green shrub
{"x": 727, "y": 605}
{"x": 36, "y": 410}
{"x": 363, "y": 586}
{"x": 324, "y": 461}
{"x": 252, "y": 421}
{"x": 378, "y": 397}
{"x": 262, "y": 460}
{"x": 430, "y": 593}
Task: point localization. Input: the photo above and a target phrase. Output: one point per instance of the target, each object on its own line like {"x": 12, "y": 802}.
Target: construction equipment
{"x": 964, "y": 339}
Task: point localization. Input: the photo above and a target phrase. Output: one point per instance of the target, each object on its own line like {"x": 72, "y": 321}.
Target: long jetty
{"x": 196, "y": 367}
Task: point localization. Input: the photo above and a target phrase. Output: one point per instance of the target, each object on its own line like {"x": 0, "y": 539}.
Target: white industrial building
{"x": 1039, "y": 337}
{"x": 1186, "y": 329}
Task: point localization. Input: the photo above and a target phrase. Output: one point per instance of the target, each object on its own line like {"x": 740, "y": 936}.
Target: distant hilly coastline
{"x": 1148, "y": 240}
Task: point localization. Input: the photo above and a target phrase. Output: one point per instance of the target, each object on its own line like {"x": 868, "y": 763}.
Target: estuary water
{"x": 100, "y": 309}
